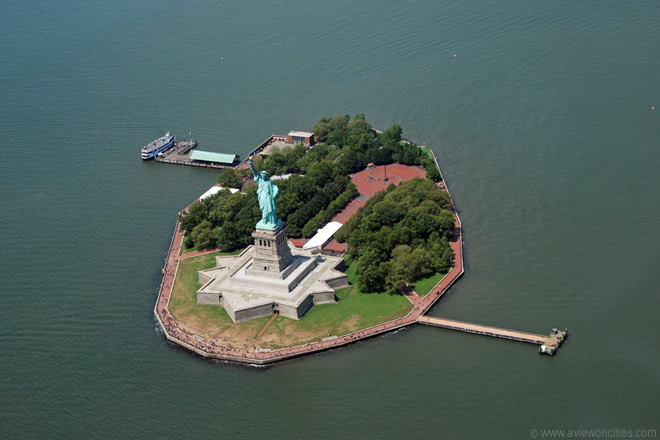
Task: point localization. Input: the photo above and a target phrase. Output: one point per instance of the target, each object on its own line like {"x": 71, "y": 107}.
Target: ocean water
{"x": 543, "y": 127}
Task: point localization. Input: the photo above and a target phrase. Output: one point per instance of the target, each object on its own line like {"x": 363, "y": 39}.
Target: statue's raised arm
{"x": 254, "y": 170}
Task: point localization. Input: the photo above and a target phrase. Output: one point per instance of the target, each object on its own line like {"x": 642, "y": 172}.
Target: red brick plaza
{"x": 368, "y": 182}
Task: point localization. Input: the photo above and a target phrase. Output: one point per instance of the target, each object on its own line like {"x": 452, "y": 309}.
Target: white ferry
{"x": 152, "y": 149}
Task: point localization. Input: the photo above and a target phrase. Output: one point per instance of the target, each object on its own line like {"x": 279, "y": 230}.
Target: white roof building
{"x": 323, "y": 235}
{"x": 301, "y": 133}
{"x": 214, "y": 190}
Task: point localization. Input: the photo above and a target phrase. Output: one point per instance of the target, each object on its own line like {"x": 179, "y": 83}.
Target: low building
{"x": 323, "y": 236}
{"x": 214, "y": 158}
{"x": 214, "y": 190}
{"x": 300, "y": 137}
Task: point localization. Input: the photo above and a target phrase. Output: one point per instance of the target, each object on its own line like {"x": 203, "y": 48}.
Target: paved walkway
{"x": 421, "y": 304}
{"x": 371, "y": 180}
{"x": 264, "y": 329}
{"x": 196, "y": 253}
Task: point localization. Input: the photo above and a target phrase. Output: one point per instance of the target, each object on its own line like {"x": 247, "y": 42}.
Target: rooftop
{"x": 301, "y": 133}
{"x": 208, "y": 156}
{"x": 323, "y": 235}
{"x": 215, "y": 189}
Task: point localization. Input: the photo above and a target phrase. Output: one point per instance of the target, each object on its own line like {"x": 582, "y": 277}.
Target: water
{"x": 544, "y": 130}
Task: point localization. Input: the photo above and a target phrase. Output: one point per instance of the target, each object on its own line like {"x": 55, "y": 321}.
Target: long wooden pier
{"x": 549, "y": 344}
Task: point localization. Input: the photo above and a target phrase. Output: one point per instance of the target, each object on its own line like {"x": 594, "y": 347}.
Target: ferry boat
{"x": 152, "y": 149}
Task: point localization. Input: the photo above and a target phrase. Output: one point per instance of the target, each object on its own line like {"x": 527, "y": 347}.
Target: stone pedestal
{"x": 272, "y": 257}
{"x": 267, "y": 278}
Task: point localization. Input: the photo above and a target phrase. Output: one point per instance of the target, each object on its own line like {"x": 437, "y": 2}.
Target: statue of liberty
{"x": 266, "y": 192}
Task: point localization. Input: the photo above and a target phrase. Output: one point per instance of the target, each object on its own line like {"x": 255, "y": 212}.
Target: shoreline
{"x": 421, "y": 305}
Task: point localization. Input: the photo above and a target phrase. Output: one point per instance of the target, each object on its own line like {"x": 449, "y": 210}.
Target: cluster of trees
{"x": 400, "y": 236}
{"x": 224, "y": 220}
{"x": 317, "y": 190}
{"x": 350, "y": 144}
{"x": 232, "y": 178}
{"x": 305, "y": 203}
{"x": 308, "y": 201}
{"x": 361, "y": 144}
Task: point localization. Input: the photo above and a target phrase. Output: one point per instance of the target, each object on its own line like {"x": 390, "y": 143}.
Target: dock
{"x": 264, "y": 146}
{"x": 183, "y": 154}
{"x": 549, "y": 344}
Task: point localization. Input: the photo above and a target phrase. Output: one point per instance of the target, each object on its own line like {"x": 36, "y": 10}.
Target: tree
{"x": 258, "y": 162}
{"x": 388, "y": 213}
{"x": 420, "y": 264}
{"x": 401, "y": 234}
{"x": 396, "y": 278}
{"x": 202, "y": 235}
{"x": 296, "y": 222}
{"x": 371, "y": 271}
{"x": 245, "y": 228}
{"x": 446, "y": 225}
{"x": 445, "y": 262}
{"x": 230, "y": 178}
{"x": 401, "y": 260}
{"x": 287, "y": 204}
{"x": 320, "y": 174}
{"x": 339, "y": 122}
{"x": 321, "y": 130}
{"x": 276, "y": 163}
{"x": 432, "y": 171}
{"x": 312, "y": 225}
{"x": 228, "y": 237}
{"x": 408, "y": 157}
{"x": 352, "y": 161}
{"x": 391, "y": 136}
{"x": 337, "y": 137}
{"x": 192, "y": 217}
{"x": 380, "y": 156}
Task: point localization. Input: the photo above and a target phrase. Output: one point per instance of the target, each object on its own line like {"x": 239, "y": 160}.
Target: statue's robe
{"x": 267, "y": 192}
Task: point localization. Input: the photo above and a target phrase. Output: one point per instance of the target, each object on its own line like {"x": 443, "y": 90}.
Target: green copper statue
{"x": 266, "y": 192}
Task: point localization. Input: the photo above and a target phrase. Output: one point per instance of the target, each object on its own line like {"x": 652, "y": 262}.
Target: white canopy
{"x": 215, "y": 189}
{"x": 323, "y": 235}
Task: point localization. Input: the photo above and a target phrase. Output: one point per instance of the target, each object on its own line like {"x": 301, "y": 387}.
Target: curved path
{"x": 421, "y": 304}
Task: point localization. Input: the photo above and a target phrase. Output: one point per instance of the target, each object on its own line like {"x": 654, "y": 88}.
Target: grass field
{"x": 354, "y": 311}
{"x": 186, "y": 250}
{"x": 423, "y": 286}
{"x": 212, "y": 323}
{"x": 427, "y": 151}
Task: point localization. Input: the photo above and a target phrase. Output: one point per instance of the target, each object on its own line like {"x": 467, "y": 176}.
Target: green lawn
{"x": 427, "y": 151}
{"x": 424, "y": 285}
{"x": 351, "y": 272}
{"x": 210, "y": 322}
{"x": 195, "y": 249}
{"x": 184, "y": 299}
{"x": 186, "y": 250}
{"x": 353, "y": 311}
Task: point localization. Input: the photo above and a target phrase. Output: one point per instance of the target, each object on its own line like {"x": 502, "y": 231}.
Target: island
{"x": 346, "y": 233}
